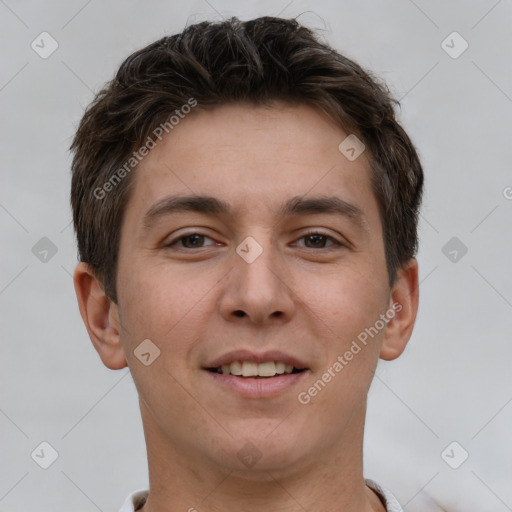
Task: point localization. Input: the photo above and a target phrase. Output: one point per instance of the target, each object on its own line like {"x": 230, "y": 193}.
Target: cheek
{"x": 158, "y": 298}
{"x": 167, "y": 306}
{"x": 344, "y": 301}
{"x": 171, "y": 306}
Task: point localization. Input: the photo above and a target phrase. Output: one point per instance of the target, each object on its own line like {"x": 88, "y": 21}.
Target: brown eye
{"x": 316, "y": 240}
{"x": 191, "y": 241}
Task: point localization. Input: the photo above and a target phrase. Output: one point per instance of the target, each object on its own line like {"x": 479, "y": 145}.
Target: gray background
{"x": 453, "y": 383}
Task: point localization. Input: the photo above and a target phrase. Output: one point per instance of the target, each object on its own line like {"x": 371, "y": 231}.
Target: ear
{"x": 404, "y": 302}
{"x": 100, "y": 316}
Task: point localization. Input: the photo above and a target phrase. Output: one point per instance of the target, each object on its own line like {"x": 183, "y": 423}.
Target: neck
{"x": 332, "y": 480}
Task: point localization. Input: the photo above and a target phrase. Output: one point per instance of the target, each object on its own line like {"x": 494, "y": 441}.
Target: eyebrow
{"x": 297, "y": 205}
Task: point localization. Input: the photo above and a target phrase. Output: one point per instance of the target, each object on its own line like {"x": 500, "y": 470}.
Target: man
{"x": 246, "y": 210}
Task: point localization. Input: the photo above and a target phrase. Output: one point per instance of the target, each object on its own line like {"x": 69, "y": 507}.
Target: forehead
{"x": 254, "y": 158}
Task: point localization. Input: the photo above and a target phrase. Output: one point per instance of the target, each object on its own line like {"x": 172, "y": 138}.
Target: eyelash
{"x": 305, "y": 235}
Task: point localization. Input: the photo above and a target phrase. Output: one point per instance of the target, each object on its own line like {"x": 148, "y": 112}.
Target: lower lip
{"x": 261, "y": 387}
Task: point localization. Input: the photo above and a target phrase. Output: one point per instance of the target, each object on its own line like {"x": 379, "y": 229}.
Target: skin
{"x": 307, "y": 297}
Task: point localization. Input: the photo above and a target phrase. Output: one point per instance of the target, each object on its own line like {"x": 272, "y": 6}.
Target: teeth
{"x": 267, "y": 369}
{"x": 235, "y": 368}
{"x": 251, "y": 369}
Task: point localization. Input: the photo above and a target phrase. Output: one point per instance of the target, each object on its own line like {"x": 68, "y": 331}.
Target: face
{"x": 275, "y": 260}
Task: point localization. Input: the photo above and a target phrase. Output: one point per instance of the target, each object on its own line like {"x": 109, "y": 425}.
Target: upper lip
{"x": 256, "y": 357}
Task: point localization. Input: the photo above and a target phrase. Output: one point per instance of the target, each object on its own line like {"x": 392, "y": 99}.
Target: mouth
{"x": 251, "y": 369}
{"x": 257, "y": 375}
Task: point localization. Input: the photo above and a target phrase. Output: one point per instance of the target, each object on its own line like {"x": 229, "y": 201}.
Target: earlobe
{"x": 100, "y": 316}
{"x": 404, "y": 303}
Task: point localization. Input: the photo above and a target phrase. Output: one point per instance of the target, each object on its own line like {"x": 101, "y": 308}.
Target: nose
{"x": 257, "y": 290}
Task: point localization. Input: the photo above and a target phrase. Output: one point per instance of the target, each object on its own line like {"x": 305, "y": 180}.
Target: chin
{"x": 257, "y": 451}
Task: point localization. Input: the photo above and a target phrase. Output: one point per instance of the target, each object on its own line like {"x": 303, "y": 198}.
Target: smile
{"x": 252, "y": 369}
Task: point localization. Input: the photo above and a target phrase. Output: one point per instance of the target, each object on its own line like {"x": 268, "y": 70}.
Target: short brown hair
{"x": 216, "y": 63}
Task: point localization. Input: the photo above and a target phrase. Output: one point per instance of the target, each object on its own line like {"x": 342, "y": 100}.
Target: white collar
{"x": 137, "y": 499}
